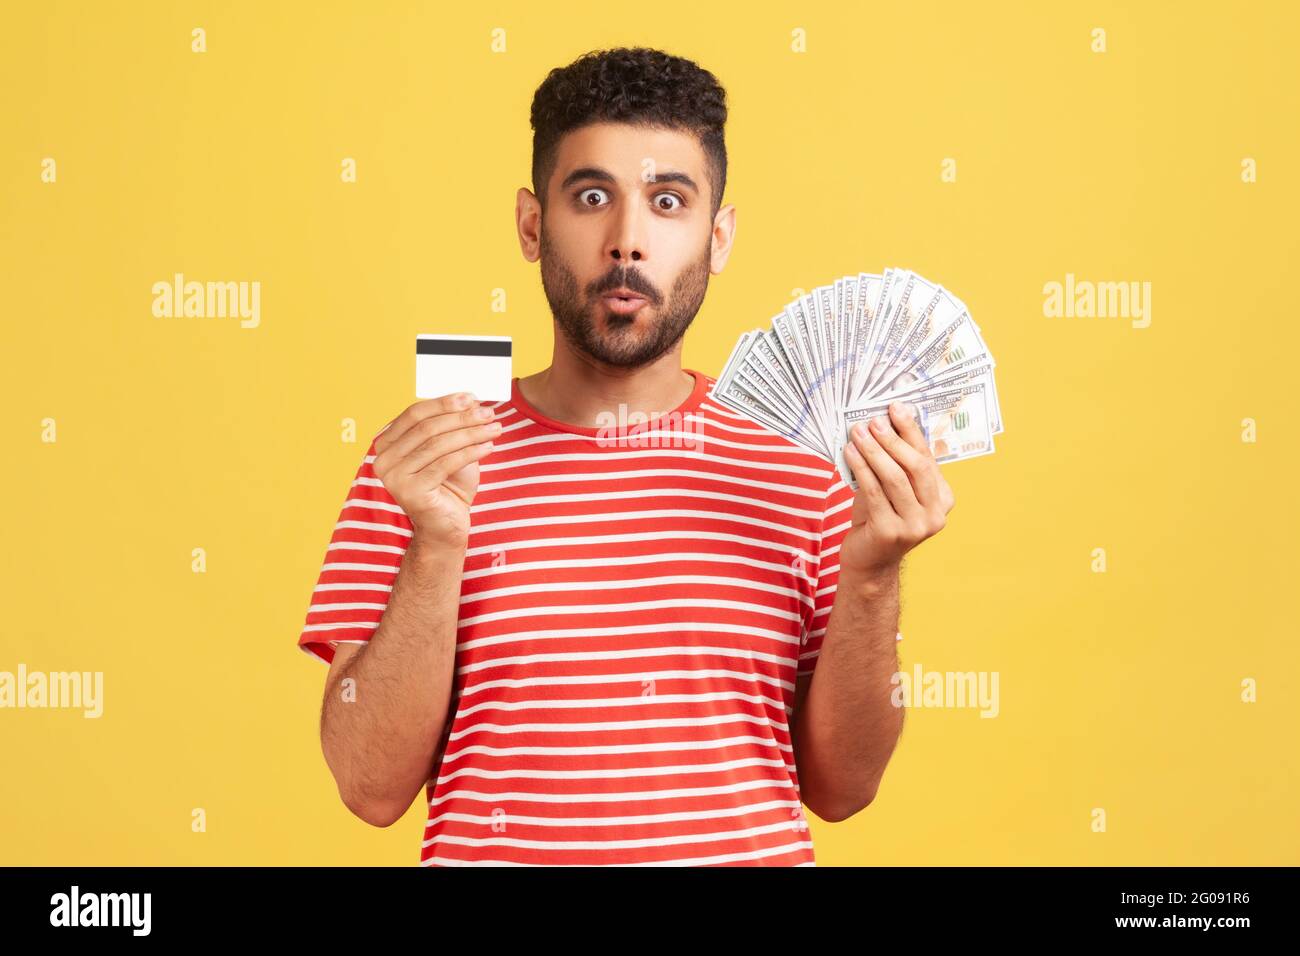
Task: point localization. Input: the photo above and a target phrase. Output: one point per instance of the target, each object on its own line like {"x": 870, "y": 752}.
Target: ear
{"x": 722, "y": 238}
{"x": 528, "y": 222}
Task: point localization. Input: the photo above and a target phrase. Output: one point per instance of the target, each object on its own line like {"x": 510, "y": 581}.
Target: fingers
{"x": 414, "y": 414}
{"x": 893, "y": 479}
{"x": 947, "y": 500}
{"x": 922, "y": 471}
{"x": 446, "y": 434}
{"x": 420, "y": 443}
{"x": 906, "y": 425}
{"x": 868, "y": 485}
{"x": 448, "y": 464}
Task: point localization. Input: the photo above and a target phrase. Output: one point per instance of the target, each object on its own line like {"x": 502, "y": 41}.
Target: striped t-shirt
{"x": 636, "y": 604}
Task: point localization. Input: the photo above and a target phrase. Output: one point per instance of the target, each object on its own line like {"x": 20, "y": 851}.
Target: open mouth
{"x": 624, "y": 304}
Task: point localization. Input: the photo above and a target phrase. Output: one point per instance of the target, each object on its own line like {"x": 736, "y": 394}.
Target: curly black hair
{"x": 634, "y": 85}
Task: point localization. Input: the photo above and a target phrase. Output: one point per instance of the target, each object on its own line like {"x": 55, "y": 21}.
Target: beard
{"x": 626, "y": 341}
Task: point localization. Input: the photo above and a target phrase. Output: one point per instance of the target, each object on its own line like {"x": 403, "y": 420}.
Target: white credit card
{"x": 445, "y": 364}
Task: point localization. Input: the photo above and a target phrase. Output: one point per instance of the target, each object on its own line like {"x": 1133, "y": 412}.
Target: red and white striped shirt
{"x": 635, "y": 607}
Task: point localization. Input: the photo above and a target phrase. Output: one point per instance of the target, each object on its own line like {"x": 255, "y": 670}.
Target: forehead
{"x": 623, "y": 148}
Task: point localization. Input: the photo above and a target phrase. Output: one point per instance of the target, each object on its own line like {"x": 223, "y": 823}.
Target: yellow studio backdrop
{"x": 1123, "y": 564}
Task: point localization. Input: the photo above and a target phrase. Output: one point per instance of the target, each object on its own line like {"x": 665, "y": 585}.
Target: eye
{"x": 588, "y": 202}
{"x": 673, "y": 196}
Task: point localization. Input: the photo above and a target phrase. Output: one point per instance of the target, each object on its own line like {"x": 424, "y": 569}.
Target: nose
{"x": 628, "y": 244}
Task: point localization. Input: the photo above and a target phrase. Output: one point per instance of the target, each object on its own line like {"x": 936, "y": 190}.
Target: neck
{"x": 576, "y": 389}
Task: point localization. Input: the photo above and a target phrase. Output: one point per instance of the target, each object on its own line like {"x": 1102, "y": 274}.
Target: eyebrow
{"x": 605, "y": 176}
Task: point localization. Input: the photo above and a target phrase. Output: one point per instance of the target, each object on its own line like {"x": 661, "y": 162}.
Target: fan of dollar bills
{"x": 845, "y": 351}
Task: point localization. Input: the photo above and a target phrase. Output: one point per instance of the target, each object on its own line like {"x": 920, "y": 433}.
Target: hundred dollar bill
{"x": 825, "y": 319}
{"x": 808, "y": 323}
{"x": 842, "y": 295}
{"x": 911, "y": 315}
{"x": 738, "y": 396}
{"x": 905, "y": 349}
{"x": 761, "y": 389}
{"x": 891, "y": 288}
{"x": 792, "y": 332}
{"x": 966, "y": 373}
{"x": 863, "y": 413}
{"x": 848, "y": 348}
{"x": 861, "y": 318}
{"x": 767, "y": 362}
{"x": 731, "y": 390}
{"x": 957, "y": 342}
{"x": 956, "y": 422}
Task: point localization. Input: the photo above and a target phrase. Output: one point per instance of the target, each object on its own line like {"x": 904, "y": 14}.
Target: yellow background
{"x": 1118, "y": 691}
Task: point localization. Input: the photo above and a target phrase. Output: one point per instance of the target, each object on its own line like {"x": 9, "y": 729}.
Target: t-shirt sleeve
{"x": 837, "y": 518}
{"x": 356, "y": 579}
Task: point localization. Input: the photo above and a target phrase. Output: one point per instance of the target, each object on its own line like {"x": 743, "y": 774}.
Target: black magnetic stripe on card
{"x": 461, "y": 347}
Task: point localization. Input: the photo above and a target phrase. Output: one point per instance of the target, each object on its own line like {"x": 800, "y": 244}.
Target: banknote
{"x": 844, "y": 351}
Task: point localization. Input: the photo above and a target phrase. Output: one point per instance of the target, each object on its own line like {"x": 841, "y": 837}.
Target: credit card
{"x": 463, "y": 363}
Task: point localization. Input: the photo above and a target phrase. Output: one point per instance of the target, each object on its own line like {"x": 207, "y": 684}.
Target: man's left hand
{"x": 902, "y": 496}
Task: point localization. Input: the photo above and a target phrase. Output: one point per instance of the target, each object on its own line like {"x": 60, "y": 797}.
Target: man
{"x": 588, "y": 620}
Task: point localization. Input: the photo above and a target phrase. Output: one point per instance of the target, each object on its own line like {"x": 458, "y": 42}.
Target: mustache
{"x": 626, "y": 279}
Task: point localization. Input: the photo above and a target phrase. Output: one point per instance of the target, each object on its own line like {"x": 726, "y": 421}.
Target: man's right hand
{"x": 428, "y": 459}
